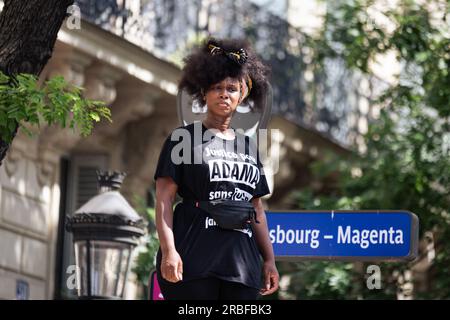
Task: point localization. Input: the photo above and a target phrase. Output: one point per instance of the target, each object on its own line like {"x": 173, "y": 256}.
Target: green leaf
{"x": 55, "y": 103}
{"x": 12, "y": 126}
{"x": 94, "y": 116}
{"x": 27, "y": 132}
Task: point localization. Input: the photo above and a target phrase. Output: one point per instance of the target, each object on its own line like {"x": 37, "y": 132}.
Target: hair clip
{"x": 214, "y": 50}
{"x": 240, "y": 56}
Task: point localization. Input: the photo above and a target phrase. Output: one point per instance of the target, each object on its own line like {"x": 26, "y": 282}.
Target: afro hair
{"x": 203, "y": 69}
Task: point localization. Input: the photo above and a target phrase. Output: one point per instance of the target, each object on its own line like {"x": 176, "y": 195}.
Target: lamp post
{"x": 105, "y": 232}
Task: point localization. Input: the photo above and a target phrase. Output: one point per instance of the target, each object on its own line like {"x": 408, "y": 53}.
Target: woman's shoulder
{"x": 197, "y": 125}
{"x": 185, "y": 133}
{"x": 184, "y": 128}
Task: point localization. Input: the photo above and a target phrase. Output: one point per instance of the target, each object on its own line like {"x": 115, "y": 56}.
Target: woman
{"x": 200, "y": 257}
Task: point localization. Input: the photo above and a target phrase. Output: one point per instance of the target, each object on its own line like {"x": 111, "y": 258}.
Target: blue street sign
{"x": 343, "y": 235}
{"x": 22, "y": 290}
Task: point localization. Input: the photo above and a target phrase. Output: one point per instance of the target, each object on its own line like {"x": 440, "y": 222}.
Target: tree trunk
{"x": 28, "y": 31}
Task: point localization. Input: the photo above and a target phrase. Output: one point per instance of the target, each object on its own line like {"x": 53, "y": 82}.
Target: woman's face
{"x": 223, "y": 97}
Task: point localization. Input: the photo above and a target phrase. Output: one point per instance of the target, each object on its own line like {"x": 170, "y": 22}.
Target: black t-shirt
{"x": 208, "y": 167}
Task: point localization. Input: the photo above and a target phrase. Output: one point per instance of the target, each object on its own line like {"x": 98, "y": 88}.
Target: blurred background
{"x": 361, "y": 97}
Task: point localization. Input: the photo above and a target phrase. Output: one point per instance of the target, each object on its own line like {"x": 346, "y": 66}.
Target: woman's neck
{"x": 219, "y": 123}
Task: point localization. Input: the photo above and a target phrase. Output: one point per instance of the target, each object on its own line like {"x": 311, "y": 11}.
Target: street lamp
{"x": 105, "y": 231}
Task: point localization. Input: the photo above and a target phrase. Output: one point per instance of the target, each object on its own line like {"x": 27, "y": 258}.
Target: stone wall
{"x": 29, "y": 203}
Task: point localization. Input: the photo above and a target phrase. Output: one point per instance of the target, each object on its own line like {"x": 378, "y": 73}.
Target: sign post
{"x": 344, "y": 235}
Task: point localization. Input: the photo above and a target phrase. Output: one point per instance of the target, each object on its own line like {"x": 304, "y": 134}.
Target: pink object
{"x": 155, "y": 290}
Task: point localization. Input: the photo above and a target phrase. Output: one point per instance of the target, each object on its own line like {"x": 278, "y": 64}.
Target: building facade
{"x": 126, "y": 53}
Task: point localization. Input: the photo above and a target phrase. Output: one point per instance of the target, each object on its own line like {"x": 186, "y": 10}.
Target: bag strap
{"x": 205, "y": 205}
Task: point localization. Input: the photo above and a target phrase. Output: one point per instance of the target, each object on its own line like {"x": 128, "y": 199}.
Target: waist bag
{"x": 228, "y": 214}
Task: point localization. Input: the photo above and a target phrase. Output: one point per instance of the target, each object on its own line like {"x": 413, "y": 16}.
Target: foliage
{"x": 22, "y": 102}
{"x": 407, "y": 158}
{"x": 322, "y": 280}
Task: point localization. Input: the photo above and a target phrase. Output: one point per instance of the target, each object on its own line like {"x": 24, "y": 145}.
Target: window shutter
{"x": 87, "y": 184}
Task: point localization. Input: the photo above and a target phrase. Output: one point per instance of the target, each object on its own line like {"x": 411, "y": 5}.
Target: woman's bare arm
{"x": 171, "y": 263}
{"x": 270, "y": 271}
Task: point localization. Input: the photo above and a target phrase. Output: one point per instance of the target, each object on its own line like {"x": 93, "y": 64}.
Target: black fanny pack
{"x": 228, "y": 214}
